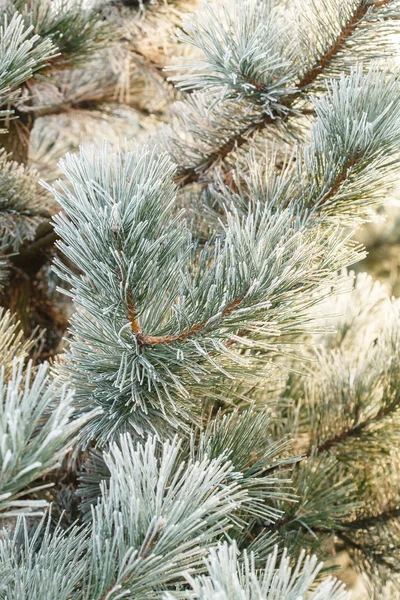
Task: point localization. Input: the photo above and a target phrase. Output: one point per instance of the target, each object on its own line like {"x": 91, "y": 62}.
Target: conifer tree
{"x": 225, "y": 418}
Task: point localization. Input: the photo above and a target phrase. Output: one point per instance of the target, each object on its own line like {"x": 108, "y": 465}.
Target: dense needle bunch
{"x": 224, "y": 418}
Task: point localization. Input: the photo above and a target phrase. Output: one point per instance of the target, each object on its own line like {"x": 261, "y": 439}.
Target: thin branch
{"x": 339, "y": 180}
{"x": 65, "y": 107}
{"x": 356, "y": 524}
{"x": 90, "y": 105}
{"x": 28, "y": 254}
{"x": 193, "y": 174}
{"x": 355, "y": 431}
{"x": 339, "y": 43}
{"x": 149, "y": 340}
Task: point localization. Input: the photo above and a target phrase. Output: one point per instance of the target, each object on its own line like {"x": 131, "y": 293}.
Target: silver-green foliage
{"x": 245, "y": 52}
{"x": 347, "y": 408}
{"x": 22, "y": 203}
{"x": 239, "y": 436}
{"x": 40, "y": 563}
{"x": 74, "y": 27}
{"x": 349, "y": 165}
{"x": 165, "y": 322}
{"x": 160, "y": 314}
{"x": 22, "y": 53}
{"x": 36, "y": 427}
{"x": 256, "y": 64}
{"x": 242, "y": 435}
{"x": 234, "y": 577}
{"x": 155, "y": 525}
{"x": 264, "y": 52}
{"x": 156, "y": 516}
{"x": 36, "y": 37}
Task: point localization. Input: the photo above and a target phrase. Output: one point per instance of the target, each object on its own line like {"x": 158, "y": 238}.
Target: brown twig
{"x": 356, "y": 430}
{"x": 193, "y": 174}
{"x": 339, "y": 43}
{"x": 339, "y": 180}
{"x": 150, "y": 340}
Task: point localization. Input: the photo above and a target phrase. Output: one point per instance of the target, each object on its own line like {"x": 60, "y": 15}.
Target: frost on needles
{"x": 225, "y": 417}
{"x": 163, "y": 316}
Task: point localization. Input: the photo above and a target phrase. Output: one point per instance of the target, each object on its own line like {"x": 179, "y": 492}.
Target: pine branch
{"x": 22, "y": 203}
{"x": 232, "y": 577}
{"x": 22, "y": 54}
{"x": 189, "y": 175}
{"x": 167, "y": 323}
{"x": 357, "y": 431}
{"x": 77, "y": 30}
{"x": 37, "y": 427}
{"x": 332, "y": 179}
{"x": 341, "y": 41}
{"x": 195, "y": 306}
{"x": 42, "y": 561}
{"x": 264, "y": 464}
{"x": 327, "y": 500}
{"x": 149, "y": 340}
{"x": 156, "y": 517}
{"x": 366, "y": 383}
{"x": 338, "y": 181}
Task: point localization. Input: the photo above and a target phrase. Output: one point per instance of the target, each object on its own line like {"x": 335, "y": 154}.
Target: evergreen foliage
{"x": 22, "y": 54}
{"x": 224, "y": 417}
{"x": 228, "y": 578}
